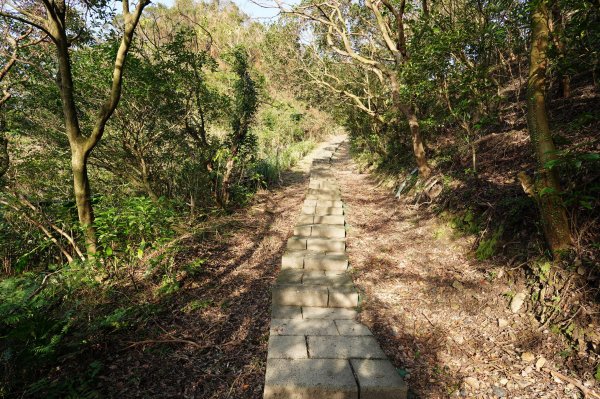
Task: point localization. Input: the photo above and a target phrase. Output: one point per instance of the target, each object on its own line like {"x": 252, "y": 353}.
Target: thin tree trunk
{"x": 146, "y": 179}
{"x": 417, "y": 142}
{"x": 415, "y": 130}
{"x": 224, "y": 197}
{"x": 4, "y": 157}
{"x": 83, "y": 198}
{"x": 554, "y": 217}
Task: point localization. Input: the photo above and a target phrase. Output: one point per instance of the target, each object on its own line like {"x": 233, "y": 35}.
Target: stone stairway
{"x": 316, "y": 348}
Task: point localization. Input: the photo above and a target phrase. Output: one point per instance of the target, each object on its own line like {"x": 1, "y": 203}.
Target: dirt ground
{"x": 442, "y": 317}
{"x": 210, "y": 340}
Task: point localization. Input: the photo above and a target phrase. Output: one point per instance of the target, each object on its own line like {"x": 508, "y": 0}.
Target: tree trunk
{"x": 224, "y": 197}
{"x": 146, "y": 179}
{"x": 415, "y": 130}
{"x": 4, "y": 157}
{"x": 565, "y": 85}
{"x": 554, "y": 217}
{"x": 83, "y": 198}
{"x": 417, "y": 142}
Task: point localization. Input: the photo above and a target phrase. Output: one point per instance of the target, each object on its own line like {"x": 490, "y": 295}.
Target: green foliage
{"x": 269, "y": 169}
{"x": 575, "y": 163}
{"x": 487, "y": 246}
{"x": 32, "y": 330}
{"x": 127, "y": 228}
{"x": 466, "y": 222}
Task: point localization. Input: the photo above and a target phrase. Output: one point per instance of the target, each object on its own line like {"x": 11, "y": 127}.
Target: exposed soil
{"x": 441, "y": 316}
{"x": 217, "y": 348}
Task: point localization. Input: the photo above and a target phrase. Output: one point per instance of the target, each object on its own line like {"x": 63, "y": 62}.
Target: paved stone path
{"x": 316, "y": 348}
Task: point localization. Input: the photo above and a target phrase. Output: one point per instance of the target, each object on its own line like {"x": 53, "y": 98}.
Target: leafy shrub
{"x": 125, "y": 229}
{"x": 487, "y": 246}
{"x": 37, "y": 312}
{"x": 270, "y": 168}
{"x": 466, "y": 222}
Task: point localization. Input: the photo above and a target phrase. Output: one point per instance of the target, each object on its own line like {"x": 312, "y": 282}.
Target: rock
{"x": 581, "y": 270}
{"x": 502, "y": 323}
{"x": 517, "y": 302}
{"x": 527, "y": 357}
{"x": 540, "y": 363}
{"x": 503, "y": 381}
{"x": 472, "y": 382}
{"x": 499, "y": 392}
{"x": 457, "y": 285}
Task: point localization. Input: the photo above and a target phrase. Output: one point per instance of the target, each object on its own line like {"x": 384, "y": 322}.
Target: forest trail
{"x": 316, "y": 347}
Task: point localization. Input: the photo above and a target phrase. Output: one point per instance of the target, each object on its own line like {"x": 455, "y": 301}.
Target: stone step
{"x": 302, "y": 378}
{"x": 307, "y": 259}
{"x": 344, "y": 347}
{"x": 314, "y": 312}
{"x": 329, "y": 181}
{"x": 309, "y": 379}
{"x": 322, "y": 211}
{"x": 315, "y": 296}
{"x": 320, "y": 230}
{"x": 322, "y": 168}
{"x": 324, "y": 191}
{"x": 323, "y": 185}
{"x": 378, "y": 379}
{"x": 316, "y": 244}
{"x": 314, "y": 277}
{"x": 326, "y": 244}
{"x": 329, "y": 219}
{"x": 323, "y": 203}
{"x": 303, "y": 327}
{"x": 328, "y": 197}
{"x": 305, "y": 219}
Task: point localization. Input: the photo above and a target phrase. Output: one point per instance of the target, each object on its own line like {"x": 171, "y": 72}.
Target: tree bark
{"x": 224, "y": 196}
{"x": 553, "y": 214}
{"x": 415, "y": 130}
{"x": 4, "y": 157}
{"x": 417, "y": 141}
{"x": 83, "y": 198}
